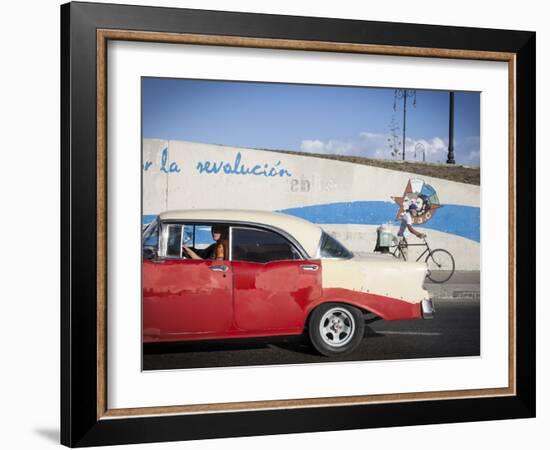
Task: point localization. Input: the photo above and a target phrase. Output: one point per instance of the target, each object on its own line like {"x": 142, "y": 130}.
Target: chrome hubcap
{"x": 336, "y": 327}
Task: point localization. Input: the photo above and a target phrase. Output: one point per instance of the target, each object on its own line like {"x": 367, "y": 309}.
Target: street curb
{"x": 469, "y": 292}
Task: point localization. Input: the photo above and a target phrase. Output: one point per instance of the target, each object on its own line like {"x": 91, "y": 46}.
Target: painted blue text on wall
{"x": 234, "y": 167}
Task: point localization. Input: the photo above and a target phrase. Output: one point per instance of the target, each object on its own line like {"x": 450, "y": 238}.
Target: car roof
{"x": 306, "y": 233}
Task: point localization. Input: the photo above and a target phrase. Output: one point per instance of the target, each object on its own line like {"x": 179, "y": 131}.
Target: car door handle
{"x": 311, "y": 267}
{"x": 222, "y": 268}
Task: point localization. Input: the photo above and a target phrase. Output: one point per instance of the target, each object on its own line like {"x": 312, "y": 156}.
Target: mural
{"x": 423, "y": 195}
{"x": 348, "y": 200}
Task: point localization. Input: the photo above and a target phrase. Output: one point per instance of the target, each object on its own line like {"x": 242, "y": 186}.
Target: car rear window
{"x": 331, "y": 248}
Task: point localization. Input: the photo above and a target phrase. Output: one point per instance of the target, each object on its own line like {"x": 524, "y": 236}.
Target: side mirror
{"x": 149, "y": 253}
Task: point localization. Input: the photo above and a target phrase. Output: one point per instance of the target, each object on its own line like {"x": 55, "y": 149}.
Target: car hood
{"x": 377, "y": 274}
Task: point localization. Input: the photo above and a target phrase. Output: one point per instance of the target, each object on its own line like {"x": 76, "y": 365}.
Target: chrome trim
{"x": 164, "y": 242}
{"x": 311, "y": 267}
{"x": 222, "y": 268}
{"x": 333, "y": 324}
{"x": 428, "y": 309}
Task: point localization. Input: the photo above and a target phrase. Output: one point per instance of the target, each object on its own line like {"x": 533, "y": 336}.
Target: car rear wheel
{"x": 336, "y": 328}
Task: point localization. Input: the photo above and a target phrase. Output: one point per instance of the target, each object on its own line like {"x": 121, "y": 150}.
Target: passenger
{"x": 217, "y": 250}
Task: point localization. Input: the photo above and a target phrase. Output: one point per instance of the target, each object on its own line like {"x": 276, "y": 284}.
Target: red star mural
{"x": 423, "y": 195}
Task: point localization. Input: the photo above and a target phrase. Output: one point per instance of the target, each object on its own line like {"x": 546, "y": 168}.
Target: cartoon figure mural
{"x": 423, "y": 195}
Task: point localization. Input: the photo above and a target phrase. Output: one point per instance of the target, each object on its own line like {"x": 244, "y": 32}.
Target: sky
{"x": 355, "y": 121}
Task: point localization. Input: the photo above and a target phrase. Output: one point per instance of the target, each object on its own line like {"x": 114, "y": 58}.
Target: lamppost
{"x": 451, "y": 153}
{"x": 420, "y": 147}
{"x": 404, "y": 94}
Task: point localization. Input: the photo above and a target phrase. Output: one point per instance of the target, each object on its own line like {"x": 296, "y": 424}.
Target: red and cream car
{"x": 271, "y": 274}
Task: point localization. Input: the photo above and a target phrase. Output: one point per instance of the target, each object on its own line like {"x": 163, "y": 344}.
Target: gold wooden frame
{"x": 103, "y": 36}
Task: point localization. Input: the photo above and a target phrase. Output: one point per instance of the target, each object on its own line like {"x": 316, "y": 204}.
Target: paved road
{"x": 453, "y": 332}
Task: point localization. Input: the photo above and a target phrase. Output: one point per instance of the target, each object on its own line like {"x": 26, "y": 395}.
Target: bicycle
{"x": 441, "y": 264}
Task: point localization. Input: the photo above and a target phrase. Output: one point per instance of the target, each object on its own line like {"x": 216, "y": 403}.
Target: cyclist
{"x": 406, "y": 224}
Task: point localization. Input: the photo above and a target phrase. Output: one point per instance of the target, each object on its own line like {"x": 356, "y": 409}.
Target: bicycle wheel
{"x": 441, "y": 265}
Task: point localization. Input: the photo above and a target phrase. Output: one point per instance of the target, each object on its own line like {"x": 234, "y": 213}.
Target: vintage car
{"x": 272, "y": 274}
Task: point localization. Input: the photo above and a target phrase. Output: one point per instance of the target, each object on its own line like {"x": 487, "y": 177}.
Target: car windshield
{"x": 150, "y": 234}
{"x": 331, "y": 248}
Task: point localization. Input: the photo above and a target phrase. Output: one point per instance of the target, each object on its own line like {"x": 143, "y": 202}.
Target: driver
{"x": 217, "y": 250}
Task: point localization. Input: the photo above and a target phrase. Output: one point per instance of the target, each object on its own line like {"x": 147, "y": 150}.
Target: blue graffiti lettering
{"x": 256, "y": 170}
{"x": 238, "y": 168}
{"x": 166, "y": 167}
{"x": 203, "y": 167}
{"x": 147, "y": 165}
{"x": 164, "y": 160}
{"x": 237, "y": 163}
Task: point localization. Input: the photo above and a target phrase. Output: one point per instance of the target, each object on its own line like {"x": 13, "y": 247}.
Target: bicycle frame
{"x": 399, "y": 248}
{"x": 429, "y": 252}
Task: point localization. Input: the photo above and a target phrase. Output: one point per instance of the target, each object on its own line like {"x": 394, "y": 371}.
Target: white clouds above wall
{"x": 376, "y": 145}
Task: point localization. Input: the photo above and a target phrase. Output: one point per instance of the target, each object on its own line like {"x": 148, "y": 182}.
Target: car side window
{"x": 198, "y": 237}
{"x": 261, "y": 246}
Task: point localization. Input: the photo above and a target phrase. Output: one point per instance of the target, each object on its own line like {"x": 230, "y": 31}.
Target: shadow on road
{"x": 293, "y": 343}
{"x": 370, "y": 333}
{"x": 202, "y": 346}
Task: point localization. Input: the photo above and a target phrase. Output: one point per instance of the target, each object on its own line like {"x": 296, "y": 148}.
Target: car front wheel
{"x": 336, "y": 328}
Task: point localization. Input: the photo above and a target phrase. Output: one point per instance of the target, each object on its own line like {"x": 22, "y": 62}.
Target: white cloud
{"x": 377, "y": 145}
{"x": 374, "y": 145}
{"x": 367, "y": 134}
{"x": 365, "y": 144}
{"x": 315, "y": 146}
{"x": 434, "y": 149}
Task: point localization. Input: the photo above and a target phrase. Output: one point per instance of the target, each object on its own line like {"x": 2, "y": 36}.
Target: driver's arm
{"x": 190, "y": 252}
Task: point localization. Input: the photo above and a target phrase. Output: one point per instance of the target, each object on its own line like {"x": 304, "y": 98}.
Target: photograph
{"x": 287, "y": 223}
{"x": 273, "y": 224}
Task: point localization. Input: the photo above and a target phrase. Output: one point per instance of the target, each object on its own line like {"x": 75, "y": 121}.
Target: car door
{"x": 272, "y": 284}
{"x": 185, "y": 298}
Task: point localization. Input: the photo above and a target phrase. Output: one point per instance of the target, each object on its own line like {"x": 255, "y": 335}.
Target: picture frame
{"x": 86, "y": 418}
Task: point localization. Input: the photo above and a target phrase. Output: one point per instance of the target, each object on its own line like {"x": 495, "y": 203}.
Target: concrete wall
{"x": 349, "y": 200}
